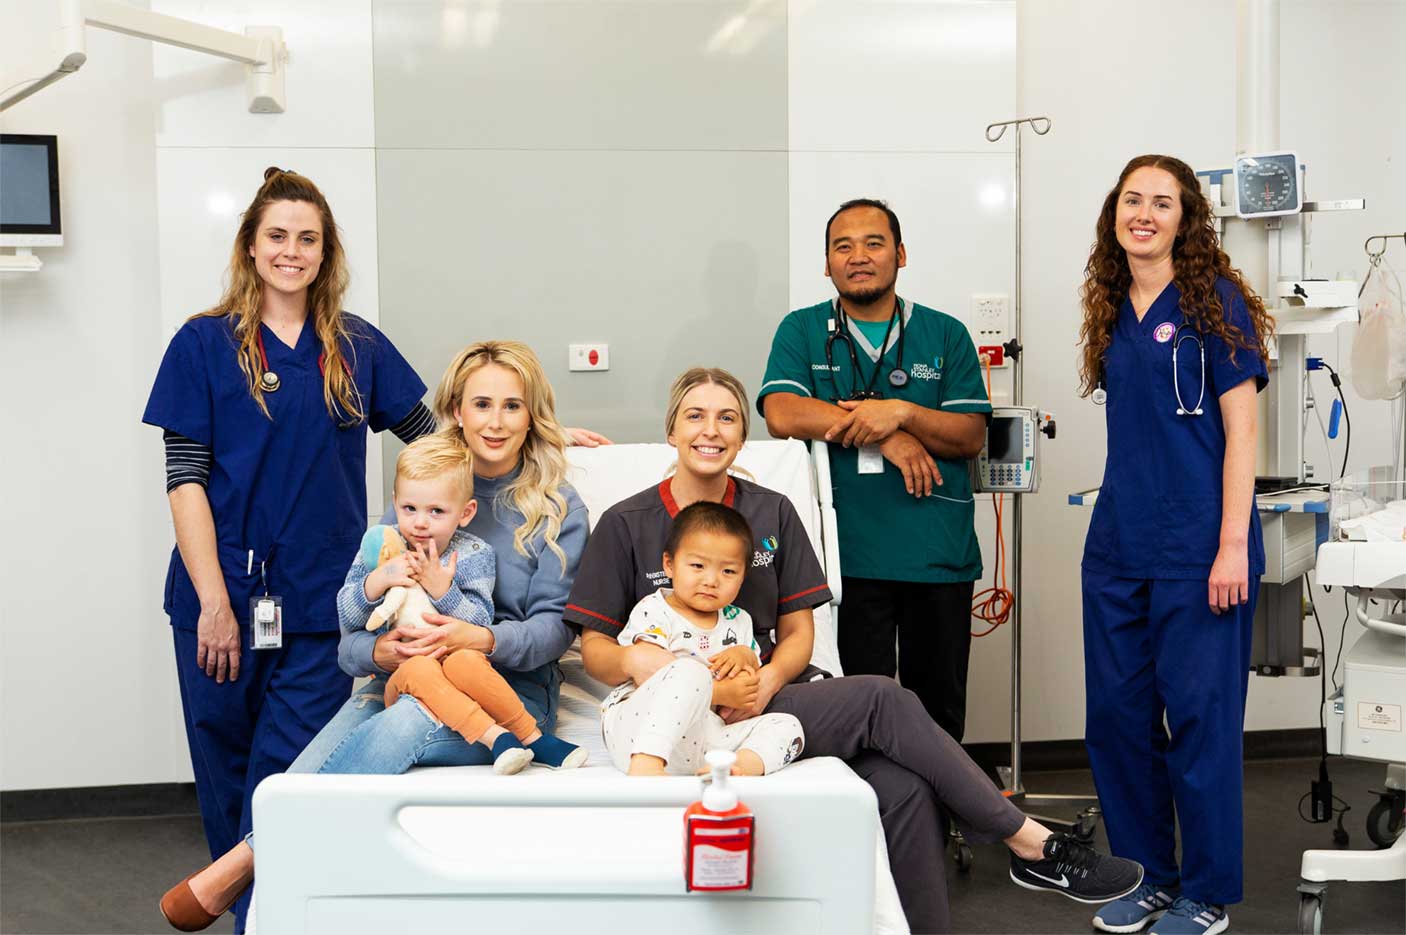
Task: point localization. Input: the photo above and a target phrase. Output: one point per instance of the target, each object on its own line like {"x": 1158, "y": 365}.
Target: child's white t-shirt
{"x": 653, "y": 621}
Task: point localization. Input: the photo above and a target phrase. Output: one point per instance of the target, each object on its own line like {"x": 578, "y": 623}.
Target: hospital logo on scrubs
{"x": 921, "y": 371}
{"x": 1164, "y": 332}
{"x": 770, "y": 543}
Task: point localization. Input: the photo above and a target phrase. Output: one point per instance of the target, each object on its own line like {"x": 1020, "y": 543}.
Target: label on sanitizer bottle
{"x": 718, "y": 849}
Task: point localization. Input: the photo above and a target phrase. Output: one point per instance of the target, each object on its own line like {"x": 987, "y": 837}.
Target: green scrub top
{"x": 885, "y": 533}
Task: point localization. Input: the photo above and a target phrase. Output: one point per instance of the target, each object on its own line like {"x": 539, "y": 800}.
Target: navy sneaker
{"x": 1134, "y": 912}
{"x": 1188, "y": 917}
{"x": 1077, "y": 871}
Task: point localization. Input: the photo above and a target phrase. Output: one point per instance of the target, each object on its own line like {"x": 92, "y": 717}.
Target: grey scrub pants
{"x": 915, "y": 767}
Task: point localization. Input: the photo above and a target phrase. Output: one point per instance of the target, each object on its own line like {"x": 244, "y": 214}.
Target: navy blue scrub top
{"x": 1158, "y": 512}
{"x": 292, "y": 488}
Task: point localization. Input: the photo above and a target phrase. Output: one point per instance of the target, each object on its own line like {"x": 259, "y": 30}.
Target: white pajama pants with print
{"x": 670, "y": 716}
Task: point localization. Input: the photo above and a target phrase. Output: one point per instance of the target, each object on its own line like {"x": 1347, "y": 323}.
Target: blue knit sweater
{"x": 529, "y": 594}
{"x": 470, "y": 595}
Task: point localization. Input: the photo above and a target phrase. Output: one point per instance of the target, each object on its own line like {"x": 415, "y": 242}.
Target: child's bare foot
{"x": 642, "y": 764}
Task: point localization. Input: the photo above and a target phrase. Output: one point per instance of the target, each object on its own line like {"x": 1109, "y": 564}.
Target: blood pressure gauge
{"x": 1267, "y": 184}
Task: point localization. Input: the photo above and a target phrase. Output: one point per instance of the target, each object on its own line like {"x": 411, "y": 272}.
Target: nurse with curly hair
{"x": 1173, "y": 343}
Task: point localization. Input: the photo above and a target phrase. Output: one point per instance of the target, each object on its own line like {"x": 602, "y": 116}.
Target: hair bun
{"x": 271, "y": 171}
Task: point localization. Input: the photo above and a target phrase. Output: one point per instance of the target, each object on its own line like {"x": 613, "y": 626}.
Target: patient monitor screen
{"x": 1003, "y": 440}
{"x": 25, "y": 200}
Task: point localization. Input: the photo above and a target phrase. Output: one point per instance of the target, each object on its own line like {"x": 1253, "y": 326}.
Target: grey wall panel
{"x": 571, "y": 74}
{"x": 674, "y": 259}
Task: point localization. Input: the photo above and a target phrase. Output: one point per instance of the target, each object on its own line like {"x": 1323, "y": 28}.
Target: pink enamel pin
{"x": 1164, "y": 332}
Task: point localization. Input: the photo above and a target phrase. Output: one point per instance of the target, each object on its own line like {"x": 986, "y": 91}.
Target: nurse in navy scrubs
{"x": 1173, "y": 344}
{"x": 265, "y": 401}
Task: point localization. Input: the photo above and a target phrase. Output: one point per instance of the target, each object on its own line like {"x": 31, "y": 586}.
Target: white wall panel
{"x": 567, "y": 74}
{"x": 82, "y": 568}
{"x": 673, "y": 259}
{"x": 900, "y": 75}
{"x": 201, "y": 99}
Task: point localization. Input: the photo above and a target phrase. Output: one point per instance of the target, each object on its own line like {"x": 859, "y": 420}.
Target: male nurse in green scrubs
{"x": 896, "y": 390}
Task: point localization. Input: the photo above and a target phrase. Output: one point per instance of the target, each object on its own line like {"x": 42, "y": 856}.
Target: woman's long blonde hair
{"x": 536, "y": 493}
{"x": 244, "y": 296}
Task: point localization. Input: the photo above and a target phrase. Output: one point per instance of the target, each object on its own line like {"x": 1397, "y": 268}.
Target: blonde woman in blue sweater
{"x": 496, "y": 398}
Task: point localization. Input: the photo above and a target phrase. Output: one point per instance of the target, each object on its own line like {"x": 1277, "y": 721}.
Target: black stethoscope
{"x": 1100, "y": 394}
{"x": 839, "y": 331}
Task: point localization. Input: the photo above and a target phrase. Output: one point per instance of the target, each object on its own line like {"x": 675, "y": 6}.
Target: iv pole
{"x": 1014, "y": 787}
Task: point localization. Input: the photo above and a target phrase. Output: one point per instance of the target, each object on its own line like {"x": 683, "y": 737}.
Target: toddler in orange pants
{"x": 434, "y": 505}
{"x": 473, "y": 700}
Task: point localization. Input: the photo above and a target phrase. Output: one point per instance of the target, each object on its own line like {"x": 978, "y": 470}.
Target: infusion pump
{"x": 1009, "y": 462}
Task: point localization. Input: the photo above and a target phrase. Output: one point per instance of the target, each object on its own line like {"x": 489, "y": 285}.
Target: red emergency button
{"x": 593, "y": 357}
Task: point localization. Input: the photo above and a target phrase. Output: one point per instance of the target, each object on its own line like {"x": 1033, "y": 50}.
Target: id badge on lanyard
{"x": 265, "y": 612}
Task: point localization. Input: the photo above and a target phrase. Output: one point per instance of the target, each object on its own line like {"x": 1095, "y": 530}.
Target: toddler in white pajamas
{"x": 667, "y": 724}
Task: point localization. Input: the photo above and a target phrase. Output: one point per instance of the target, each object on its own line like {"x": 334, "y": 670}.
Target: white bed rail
{"x": 464, "y": 850}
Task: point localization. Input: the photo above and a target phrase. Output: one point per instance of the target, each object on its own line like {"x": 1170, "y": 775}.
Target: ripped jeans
{"x": 366, "y": 737}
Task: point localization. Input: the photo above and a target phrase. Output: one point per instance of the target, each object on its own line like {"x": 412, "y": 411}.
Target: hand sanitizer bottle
{"x": 718, "y": 833}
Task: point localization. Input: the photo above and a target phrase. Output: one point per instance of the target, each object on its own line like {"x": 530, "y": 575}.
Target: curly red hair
{"x": 1197, "y": 260}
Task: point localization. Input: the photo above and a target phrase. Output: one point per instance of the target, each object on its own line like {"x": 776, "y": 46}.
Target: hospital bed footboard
{"x": 584, "y": 851}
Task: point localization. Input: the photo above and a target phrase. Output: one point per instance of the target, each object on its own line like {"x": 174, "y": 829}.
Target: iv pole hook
{"x": 1041, "y": 126}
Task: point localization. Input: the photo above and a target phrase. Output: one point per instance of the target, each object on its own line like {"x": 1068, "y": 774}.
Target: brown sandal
{"x": 184, "y": 912}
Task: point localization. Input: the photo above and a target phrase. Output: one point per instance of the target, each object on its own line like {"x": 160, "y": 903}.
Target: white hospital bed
{"x": 590, "y": 850}
{"x": 1364, "y": 719}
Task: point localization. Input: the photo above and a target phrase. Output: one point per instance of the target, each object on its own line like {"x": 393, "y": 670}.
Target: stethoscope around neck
{"x": 1100, "y": 393}
{"x": 269, "y": 381}
{"x": 839, "y": 331}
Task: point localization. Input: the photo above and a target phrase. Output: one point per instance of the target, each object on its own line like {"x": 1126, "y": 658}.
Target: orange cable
{"x": 993, "y": 605}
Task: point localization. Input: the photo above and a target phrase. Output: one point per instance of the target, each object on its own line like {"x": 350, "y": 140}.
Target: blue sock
{"x": 555, "y": 753}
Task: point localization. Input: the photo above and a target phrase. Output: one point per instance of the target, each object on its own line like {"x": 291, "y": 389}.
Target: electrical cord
{"x": 18, "y": 83}
{"x": 1340, "y": 808}
{"x": 1338, "y": 657}
{"x": 993, "y": 605}
{"x": 1347, "y": 443}
{"x": 1322, "y": 723}
{"x": 1322, "y": 675}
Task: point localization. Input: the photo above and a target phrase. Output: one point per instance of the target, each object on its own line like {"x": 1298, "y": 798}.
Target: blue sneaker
{"x": 1188, "y": 917}
{"x": 1134, "y": 912}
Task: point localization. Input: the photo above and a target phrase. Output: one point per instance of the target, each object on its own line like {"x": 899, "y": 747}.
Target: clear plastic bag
{"x": 1379, "y": 349}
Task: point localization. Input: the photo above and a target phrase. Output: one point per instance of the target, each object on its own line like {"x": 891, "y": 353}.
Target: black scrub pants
{"x": 931, "y": 627}
{"x": 915, "y": 768}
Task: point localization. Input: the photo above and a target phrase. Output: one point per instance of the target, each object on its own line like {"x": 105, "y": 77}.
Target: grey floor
{"x": 105, "y": 875}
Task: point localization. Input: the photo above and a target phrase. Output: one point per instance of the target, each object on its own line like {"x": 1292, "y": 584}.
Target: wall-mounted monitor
{"x": 29, "y": 191}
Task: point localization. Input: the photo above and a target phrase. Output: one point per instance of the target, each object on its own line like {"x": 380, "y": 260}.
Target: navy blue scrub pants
{"x": 240, "y": 732}
{"x": 1153, "y": 648}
